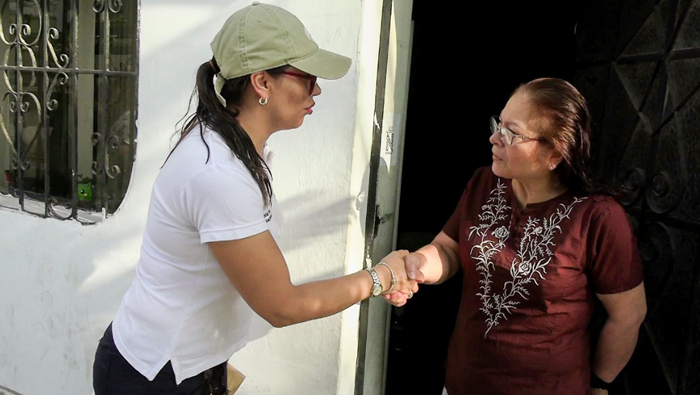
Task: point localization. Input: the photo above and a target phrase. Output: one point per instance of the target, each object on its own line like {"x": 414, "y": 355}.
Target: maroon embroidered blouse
{"x": 530, "y": 278}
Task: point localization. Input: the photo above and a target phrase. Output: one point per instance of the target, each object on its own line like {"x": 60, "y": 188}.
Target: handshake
{"x": 406, "y": 269}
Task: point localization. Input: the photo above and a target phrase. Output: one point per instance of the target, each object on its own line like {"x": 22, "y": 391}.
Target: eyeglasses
{"x": 507, "y": 134}
{"x": 311, "y": 78}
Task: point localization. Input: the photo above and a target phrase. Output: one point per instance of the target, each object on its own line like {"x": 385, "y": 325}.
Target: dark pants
{"x": 113, "y": 375}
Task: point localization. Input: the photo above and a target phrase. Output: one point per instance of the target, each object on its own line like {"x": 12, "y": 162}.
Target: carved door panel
{"x": 638, "y": 63}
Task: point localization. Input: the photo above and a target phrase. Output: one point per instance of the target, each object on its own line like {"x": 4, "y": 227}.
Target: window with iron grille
{"x": 68, "y": 88}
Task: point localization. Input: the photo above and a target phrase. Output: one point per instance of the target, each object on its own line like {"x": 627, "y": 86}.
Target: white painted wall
{"x": 61, "y": 282}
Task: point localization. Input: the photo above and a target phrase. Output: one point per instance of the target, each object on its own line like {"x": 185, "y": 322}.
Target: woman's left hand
{"x": 397, "y": 298}
{"x": 597, "y": 391}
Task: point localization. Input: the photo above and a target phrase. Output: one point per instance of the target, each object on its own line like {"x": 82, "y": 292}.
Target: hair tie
{"x": 214, "y": 65}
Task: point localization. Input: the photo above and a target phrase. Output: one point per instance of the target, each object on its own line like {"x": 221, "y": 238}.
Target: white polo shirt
{"x": 181, "y": 306}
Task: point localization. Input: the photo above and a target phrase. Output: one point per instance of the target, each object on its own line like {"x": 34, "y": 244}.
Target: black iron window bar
{"x": 58, "y": 70}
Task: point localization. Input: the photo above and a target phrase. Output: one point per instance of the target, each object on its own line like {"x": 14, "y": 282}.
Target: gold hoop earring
{"x": 262, "y": 102}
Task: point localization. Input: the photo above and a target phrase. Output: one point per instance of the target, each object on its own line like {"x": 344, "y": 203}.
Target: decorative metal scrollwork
{"x": 656, "y": 250}
{"x": 97, "y": 166}
{"x": 5, "y": 132}
{"x": 665, "y": 192}
{"x": 59, "y": 80}
{"x": 114, "y": 6}
{"x": 20, "y": 44}
{"x": 44, "y": 103}
{"x": 18, "y": 97}
{"x": 24, "y": 107}
{"x": 113, "y": 171}
{"x": 632, "y": 184}
{"x": 63, "y": 59}
{"x": 660, "y": 185}
{"x": 668, "y": 182}
{"x": 112, "y": 142}
{"x": 51, "y": 203}
{"x": 18, "y": 104}
{"x": 25, "y": 29}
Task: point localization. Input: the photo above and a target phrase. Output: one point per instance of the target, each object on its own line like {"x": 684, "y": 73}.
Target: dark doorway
{"x": 638, "y": 64}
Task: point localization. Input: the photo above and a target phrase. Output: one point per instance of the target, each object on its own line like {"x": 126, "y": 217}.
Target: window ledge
{"x": 38, "y": 208}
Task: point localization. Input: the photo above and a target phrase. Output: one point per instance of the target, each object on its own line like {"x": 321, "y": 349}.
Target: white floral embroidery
{"x": 491, "y": 213}
{"x": 530, "y": 263}
{"x": 501, "y": 233}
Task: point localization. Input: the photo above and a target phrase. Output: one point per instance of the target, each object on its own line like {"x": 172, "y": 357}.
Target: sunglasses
{"x": 312, "y": 79}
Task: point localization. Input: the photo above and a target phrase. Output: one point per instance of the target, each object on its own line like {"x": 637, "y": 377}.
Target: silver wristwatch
{"x": 376, "y": 284}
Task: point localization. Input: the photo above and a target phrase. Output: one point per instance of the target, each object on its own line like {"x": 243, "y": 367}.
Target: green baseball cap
{"x": 263, "y": 36}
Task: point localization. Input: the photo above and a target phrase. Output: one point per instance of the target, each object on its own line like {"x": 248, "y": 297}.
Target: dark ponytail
{"x": 212, "y": 114}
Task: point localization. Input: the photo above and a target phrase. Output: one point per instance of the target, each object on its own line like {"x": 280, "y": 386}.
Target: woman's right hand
{"x": 413, "y": 264}
{"x": 404, "y": 287}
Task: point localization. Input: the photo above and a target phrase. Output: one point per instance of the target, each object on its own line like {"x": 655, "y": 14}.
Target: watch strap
{"x": 597, "y": 382}
{"x": 376, "y": 284}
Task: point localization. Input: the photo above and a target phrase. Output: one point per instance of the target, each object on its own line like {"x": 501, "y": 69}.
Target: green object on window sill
{"x": 85, "y": 191}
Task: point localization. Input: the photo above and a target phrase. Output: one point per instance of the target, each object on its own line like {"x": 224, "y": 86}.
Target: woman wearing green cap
{"x": 209, "y": 257}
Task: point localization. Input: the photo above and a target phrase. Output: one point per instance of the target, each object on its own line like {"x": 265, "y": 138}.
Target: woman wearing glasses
{"x": 209, "y": 257}
{"x": 537, "y": 241}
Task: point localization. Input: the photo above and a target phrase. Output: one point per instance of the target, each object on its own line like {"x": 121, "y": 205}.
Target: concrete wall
{"x": 61, "y": 282}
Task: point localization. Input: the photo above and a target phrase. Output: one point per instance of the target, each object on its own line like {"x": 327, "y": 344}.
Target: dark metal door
{"x": 638, "y": 63}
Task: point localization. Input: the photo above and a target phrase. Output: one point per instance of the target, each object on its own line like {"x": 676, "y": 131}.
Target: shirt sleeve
{"x": 225, "y": 203}
{"x": 451, "y": 227}
{"x": 615, "y": 264}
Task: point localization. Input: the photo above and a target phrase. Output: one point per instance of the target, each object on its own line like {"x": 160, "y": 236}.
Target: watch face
{"x": 376, "y": 290}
